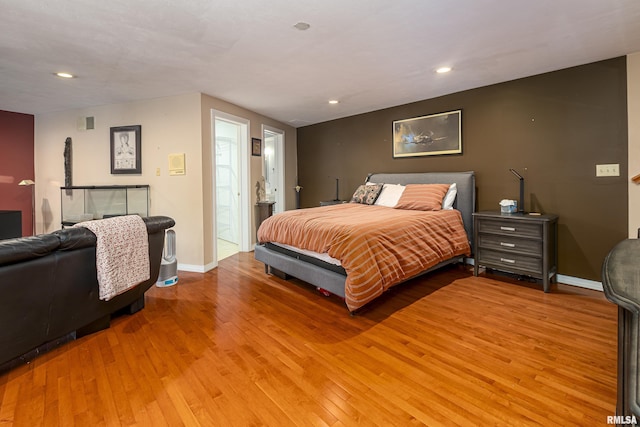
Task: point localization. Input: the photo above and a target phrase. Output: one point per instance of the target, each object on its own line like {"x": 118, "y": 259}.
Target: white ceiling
{"x": 369, "y": 54}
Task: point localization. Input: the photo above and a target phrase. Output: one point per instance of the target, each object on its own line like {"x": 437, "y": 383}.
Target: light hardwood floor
{"x": 235, "y": 347}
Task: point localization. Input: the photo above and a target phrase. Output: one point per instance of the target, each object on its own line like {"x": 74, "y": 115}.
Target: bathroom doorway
{"x": 273, "y": 166}
{"x": 230, "y": 178}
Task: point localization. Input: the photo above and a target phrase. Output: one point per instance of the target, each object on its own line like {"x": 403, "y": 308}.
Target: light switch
{"x": 612, "y": 169}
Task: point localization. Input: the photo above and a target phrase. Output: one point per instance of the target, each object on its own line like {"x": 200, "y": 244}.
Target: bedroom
{"x": 185, "y": 198}
{"x": 188, "y": 197}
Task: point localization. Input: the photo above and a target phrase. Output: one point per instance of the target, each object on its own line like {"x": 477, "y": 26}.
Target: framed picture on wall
{"x": 126, "y": 153}
{"x": 256, "y": 147}
{"x": 428, "y": 135}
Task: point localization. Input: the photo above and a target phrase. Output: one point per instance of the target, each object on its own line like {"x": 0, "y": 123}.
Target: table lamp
{"x": 521, "y": 201}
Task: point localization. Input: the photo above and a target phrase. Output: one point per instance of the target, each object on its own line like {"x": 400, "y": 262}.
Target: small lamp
{"x": 31, "y": 183}
{"x": 521, "y": 201}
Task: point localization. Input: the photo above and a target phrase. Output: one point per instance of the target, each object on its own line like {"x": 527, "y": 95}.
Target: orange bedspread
{"x": 377, "y": 246}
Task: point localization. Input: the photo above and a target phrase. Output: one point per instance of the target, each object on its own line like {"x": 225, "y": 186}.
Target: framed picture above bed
{"x": 428, "y": 135}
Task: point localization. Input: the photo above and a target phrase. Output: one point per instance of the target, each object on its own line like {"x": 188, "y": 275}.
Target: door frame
{"x": 280, "y": 196}
{"x": 244, "y": 232}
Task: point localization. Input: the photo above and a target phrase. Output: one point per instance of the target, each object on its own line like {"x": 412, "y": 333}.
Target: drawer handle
{"x": 510, "y": 261}
{"x": 507, "y": 228}
{"x": 508, "y": 245}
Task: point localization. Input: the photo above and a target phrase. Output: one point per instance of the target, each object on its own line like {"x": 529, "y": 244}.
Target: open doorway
{"x": 230, "y": 175}
{"x": 273, "y": 166}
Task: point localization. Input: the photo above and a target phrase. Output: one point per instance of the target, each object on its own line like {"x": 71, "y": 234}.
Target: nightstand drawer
{"x": 511, "y": 228}
{"x": 510, "y": 244}
{"x": 510, "y": 261}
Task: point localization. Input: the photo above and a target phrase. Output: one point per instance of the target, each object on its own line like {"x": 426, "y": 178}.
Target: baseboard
{"x": 581, "y": 283}
{"x": 196, "y": 268}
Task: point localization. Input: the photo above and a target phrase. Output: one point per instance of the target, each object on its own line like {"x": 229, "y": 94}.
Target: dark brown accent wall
{"x": 553, "y": 128}
{"x": 16, "y": 164}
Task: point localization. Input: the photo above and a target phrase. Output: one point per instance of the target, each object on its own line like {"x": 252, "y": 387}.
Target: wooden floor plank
{"x": 235, "y": 346}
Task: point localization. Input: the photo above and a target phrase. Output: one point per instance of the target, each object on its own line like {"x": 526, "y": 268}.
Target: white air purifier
{"x": 169, "y": 266}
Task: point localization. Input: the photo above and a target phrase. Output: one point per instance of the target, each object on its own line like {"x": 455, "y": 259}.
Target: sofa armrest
{"x": 158, "y": 223}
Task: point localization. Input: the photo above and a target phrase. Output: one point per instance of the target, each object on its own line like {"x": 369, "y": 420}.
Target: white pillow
{"x": 450, "y": 197}
{"x": 390, "y": 195}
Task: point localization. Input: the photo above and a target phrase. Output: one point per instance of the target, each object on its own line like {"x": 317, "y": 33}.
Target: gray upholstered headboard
{"x": 465, "y": 181}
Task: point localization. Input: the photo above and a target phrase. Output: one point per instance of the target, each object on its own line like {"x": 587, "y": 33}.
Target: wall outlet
{"x": 157, "y": 171}
{"x": 608, "y": 170}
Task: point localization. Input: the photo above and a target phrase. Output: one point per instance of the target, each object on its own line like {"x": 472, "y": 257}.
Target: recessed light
{"x": 65, "y": 75}
{"x": 443, "y": 70}
{"x": 333, "y": 101}
{"x": 302, "y": 26}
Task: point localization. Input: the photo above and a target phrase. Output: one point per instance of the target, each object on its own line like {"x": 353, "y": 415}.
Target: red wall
{"x": 16, "y": 164}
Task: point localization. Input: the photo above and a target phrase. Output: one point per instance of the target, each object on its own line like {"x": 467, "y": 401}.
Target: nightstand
{"x": 332, "y": 202}
{"x": 517, "y": 243}
{"x": 265, "y": 210}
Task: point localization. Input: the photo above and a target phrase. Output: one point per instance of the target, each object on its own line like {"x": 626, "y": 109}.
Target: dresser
{"x": 265, "y": 210}
{"x": 517, "y": 243}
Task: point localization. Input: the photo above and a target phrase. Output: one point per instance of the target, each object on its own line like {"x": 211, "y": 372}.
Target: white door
{"x": 273, "y": 166}
{"x": 231, "y": 192}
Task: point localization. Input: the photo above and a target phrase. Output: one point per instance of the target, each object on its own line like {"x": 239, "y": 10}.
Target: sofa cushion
{"x": 26, "y": 248}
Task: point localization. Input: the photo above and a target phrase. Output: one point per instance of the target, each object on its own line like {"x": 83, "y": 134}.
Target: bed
{"x": 359, "y": 250}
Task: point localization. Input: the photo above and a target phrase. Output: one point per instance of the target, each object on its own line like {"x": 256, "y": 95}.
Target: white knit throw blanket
{"x": 122, "y": 253}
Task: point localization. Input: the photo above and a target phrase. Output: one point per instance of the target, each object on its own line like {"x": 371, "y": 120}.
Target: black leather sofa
{"x": 49, "y": 289}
